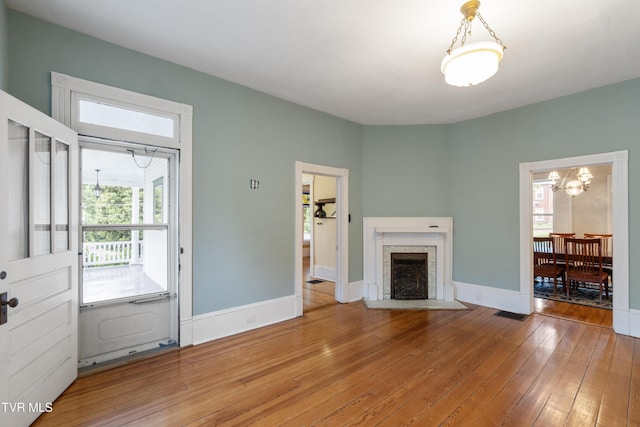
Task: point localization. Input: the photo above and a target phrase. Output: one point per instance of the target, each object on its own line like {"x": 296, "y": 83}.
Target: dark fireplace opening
{"x": 409, "y": 275}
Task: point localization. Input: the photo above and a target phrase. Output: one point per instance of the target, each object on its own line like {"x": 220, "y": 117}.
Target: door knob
{"x": 3, "y": 275}
{"x": 4, "y": 316}
{"x": 11, "y": 303}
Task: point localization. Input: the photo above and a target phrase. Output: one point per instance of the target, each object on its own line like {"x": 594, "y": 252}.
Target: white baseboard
{"x": 324, "y": 273}
{"x": 223, "y": 323}
{"x": 186, "y": 332}
{"x": 634, "y": 323}
{"x": 487, "y": 296}
{"x": 219, "y": 324}
{"x": 356, "y": 291}
{"x": 626, "y": 322}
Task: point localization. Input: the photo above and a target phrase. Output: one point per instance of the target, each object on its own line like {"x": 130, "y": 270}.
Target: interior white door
{"x": 38, "y": 261}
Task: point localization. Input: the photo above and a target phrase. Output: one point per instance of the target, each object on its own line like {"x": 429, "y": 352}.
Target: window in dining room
{"x": 542, "y": 208}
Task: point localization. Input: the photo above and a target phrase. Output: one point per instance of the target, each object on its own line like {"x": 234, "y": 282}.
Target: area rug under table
{"x": 415, "y": 304}
{"x": 582, "y": 295}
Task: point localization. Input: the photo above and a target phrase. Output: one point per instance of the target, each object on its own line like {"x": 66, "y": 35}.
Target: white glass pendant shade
{"x": 585, "y": 175}
{"x": 472, "y": 63}
{"x": 573, "y": 187}
{"x": 554, "y": 176}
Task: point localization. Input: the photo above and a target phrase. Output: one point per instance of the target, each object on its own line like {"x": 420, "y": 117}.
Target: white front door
{"x": 38, "y": 261}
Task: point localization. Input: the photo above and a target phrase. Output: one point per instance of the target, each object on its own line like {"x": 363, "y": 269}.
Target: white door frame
{"x": 342, "y": 229}
{"x": 620, "y": 179}
{"x": 63, "y": 90}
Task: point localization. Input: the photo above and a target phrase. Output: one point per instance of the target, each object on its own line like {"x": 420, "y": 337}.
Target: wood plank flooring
{"x": 344, "y": 364}
{"x": 576, "y": 312}
{"x": 316, "y": 295}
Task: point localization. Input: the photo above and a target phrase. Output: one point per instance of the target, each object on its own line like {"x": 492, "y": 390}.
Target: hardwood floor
{"x": 316, "y": 295}
{"x": 577, "y": 312}
{"x": 345, "y": 364}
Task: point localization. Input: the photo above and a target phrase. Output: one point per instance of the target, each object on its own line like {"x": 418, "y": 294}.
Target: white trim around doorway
{"x": 342, "y": 229}
{"x": 65, "y": 88}
{"x": 622, "y": 315}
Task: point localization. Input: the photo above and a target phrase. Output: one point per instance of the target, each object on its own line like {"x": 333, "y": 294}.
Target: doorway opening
{"x": 338, "y": 219}
{"x": 129, "y": 250}
{"x": 158, "y": 132}
{"x": 319, "y": 245}
{"x": 563, "y": 207}
{"x": 617, "y": 161}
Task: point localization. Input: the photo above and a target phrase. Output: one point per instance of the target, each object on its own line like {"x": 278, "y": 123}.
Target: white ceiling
{"x": 371, "y": 61}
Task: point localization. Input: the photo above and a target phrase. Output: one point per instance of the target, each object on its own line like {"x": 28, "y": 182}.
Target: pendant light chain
{"x": 491, "y": 32}
{"x": 455, "y": 38}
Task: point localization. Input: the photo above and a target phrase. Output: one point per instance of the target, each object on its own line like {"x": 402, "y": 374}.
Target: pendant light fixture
{"x": 471, "y": 63}
{"x": 97, "y": 191}
{"x": 573, "y": 187}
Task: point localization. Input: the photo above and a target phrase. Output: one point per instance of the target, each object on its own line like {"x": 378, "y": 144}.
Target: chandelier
{"x": 574, "y": 186}
{"x": 472, "y": 63}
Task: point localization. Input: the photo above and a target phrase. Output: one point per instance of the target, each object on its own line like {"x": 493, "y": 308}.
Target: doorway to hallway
{"x": 339, "y": 205}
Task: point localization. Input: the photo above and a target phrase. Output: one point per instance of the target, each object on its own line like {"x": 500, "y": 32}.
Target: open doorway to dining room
{"x": 572, "y": 202}
{"x": 536, "y": 178}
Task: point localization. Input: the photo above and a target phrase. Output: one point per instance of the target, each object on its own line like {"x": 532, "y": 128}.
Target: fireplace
{"x": 384, "y": 236}
{"x": 409, "y": 275}
{"x": 412, "y": 255}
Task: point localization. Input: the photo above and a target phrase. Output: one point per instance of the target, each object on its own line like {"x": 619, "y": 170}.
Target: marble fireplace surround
{"x": 379, "y": 232}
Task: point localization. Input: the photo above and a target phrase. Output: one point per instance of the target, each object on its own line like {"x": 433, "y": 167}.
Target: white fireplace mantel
{"x": 427, "y": 231}
{"x": 431, "y": 230}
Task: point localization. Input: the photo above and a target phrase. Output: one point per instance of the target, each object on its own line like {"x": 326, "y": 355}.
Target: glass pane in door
{"x": 41, "y": 195}
{"x": 18, "y": 203}
{"x": 117, "y": 265}
{"x": 124, "y": 243}
{"x": 62, "y": 196}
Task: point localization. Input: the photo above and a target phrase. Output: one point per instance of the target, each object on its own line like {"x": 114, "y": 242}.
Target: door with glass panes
{"x": 129, "y": 249}
{"x": 38, "y": 261}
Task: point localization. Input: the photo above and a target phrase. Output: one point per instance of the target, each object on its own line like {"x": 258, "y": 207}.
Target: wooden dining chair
{"x": 558, "y": 244}
{"x": 584, "y": 264}
{"x": 545, "y": 263}
{"x": 607, "y": 252}
{"x": 558, "y": 240}
{"x": 605, "y": 239}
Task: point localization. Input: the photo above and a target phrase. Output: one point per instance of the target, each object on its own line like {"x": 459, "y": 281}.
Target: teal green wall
{"x": 489, "y": 150}
{"x": 243, "y": 239}
{"x": 483, "y": 156}
{"x": 4, "y": 47}
{"x": 406, "y": 170}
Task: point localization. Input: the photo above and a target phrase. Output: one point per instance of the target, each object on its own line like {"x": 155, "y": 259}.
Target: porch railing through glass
{"x": 104, "y": 254}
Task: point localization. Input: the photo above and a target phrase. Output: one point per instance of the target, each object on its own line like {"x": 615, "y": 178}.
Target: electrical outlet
{"x": 251, "y": 318}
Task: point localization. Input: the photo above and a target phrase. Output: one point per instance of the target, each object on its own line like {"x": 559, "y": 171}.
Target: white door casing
{"x": 618, "y": 160}
{"x": 68, "y": 90}
{"x": 38, "y": 354}
{"x": 342, "y": 229}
